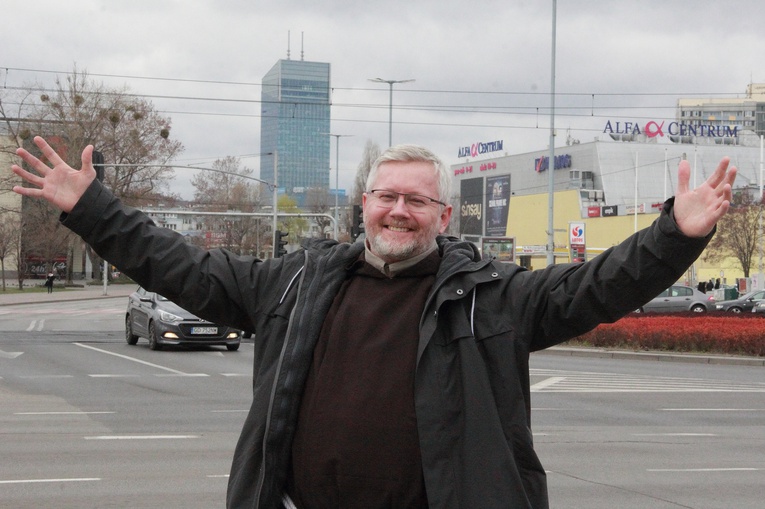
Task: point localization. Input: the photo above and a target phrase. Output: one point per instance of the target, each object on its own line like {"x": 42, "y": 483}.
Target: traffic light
{"x": 358, "y": 222}
{"x": 281, "y": 243}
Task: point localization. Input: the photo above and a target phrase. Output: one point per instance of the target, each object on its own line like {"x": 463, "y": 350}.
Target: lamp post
{"x": 390, "y": 104}
{"x": 337, "y": 173}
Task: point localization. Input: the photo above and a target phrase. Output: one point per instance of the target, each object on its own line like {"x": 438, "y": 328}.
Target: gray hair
{"x": 409, "y": 154}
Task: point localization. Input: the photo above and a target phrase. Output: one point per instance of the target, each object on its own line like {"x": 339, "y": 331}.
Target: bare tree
{"x": 77, "y": 112}
{"x": 370, "y": 155}
{"x": 738, "y": 232}
{"x": 9, "y": 237}
{"x": 317, "y": 202}
{"x": 227, "y": 188}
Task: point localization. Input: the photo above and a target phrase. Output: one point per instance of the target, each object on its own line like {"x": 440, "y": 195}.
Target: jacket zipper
{"x": 262, "y": 474}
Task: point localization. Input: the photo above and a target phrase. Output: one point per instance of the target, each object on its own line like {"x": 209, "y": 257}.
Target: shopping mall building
{"x": 604, "y": 190}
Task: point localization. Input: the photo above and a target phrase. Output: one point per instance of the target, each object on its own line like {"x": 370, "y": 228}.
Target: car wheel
{"x": 129, "y": 336}
{"x": 233, "y": 348}
{"x": 154, "y": 343}
{"x": 736, "y": 310}
{"x": 698, "y": 308}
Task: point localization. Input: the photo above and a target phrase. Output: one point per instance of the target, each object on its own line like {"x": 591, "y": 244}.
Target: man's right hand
{"x": 61, "y": 185}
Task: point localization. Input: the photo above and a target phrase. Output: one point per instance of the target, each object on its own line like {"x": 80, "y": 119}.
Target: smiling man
{"x": 393, "y": 373}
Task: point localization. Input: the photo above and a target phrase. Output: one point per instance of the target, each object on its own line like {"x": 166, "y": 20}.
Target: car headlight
{"x": 169, "y": 317}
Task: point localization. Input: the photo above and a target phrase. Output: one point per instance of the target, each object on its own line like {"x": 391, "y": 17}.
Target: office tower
{"x": 294, "y": 124}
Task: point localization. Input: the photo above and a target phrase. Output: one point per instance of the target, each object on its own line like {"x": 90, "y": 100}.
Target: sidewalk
{"x": 87, "y": 292}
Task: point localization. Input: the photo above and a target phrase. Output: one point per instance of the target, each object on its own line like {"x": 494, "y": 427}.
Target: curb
{"x": 603, "y": 353}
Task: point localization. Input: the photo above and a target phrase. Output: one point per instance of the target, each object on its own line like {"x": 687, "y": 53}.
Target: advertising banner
{"x": 501, "y": 248}
{"x": 471, "y": 206}
{"x": 497, "y": 205}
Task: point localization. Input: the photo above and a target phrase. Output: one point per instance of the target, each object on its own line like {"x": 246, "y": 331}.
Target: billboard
{"x": 501, "y": 248}
{"x": 497, "y": 205}
{"x": 471, "y": 206}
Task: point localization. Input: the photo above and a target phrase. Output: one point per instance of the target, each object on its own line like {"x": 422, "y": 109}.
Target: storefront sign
{"x": 479, "y": 148}
{"x": 655, "y": 128}
{"x": 543, "y": 163}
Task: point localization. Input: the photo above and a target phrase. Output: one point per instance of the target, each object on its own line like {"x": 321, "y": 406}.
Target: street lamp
{"x": 390, "y": 104}
{"x": 337, "y": 172}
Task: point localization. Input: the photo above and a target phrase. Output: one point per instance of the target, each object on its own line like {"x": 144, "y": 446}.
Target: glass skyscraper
{"x": 294, "y": 125}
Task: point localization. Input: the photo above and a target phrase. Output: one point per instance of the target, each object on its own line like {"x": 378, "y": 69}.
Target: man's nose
{"x": 400, "y": 207}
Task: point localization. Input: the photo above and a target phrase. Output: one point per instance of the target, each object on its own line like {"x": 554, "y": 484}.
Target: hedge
{"x": 736, "y": 334}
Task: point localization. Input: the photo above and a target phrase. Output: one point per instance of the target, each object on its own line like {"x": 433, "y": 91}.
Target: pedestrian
{"x": 391, "y": 372}
{"x": 49, "y": 281}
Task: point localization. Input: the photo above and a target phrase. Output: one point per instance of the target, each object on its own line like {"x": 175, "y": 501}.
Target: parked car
{"x": 746, "y": 302}
{"x": 163, "y": 322}
{"x": 679, "y": 298}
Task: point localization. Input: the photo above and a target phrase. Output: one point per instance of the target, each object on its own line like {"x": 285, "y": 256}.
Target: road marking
{"x": 547, "y": 383}
{"x": 133, "y": 359}
{"x": 46, "y": 376}
{"x": 26, "y": 481}
{"x": 742, "y": 469}
{"x": 184, "y": 374}
{"x": 712, "y": 409}
{"x": 236, "y": 374}
{"x": 34, "y": 326}
{"x": 228, "y": 411}
{"x": 580, "y": 381}
{"x": 218, "y": 476}
{"x": 112, "y": 376}
{"x": 61, "y": 413}
{"x": 675, "y": 435}
{"x": 140, "y": 437}
{"x": 9, "y": 355}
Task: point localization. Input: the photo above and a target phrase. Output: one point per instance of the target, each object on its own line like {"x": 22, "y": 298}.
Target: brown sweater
{"x": 356, "y": 443}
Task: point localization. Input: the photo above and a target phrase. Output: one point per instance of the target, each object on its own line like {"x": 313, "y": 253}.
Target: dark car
{"x": 746, "y": 302}
{"x": 162, "y": 322}
{"x": 679, "y": 298}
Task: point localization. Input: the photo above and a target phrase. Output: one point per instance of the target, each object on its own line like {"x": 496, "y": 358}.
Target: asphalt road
{"x": 89, "y": 421}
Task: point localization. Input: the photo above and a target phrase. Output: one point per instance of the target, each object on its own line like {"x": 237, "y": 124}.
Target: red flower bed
{"x": 742, "y": 334}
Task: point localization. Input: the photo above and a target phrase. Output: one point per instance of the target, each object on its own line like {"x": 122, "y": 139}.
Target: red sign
{"x": 593, "y": 211}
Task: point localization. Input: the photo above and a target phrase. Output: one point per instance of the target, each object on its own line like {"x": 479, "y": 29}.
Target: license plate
{"x": 204, "y": 330}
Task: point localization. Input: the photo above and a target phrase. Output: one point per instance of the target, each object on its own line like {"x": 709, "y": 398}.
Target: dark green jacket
{"x": 480, "y": 323}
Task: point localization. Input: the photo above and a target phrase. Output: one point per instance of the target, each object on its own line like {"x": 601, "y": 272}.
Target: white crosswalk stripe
{"x": 579, "y": 381}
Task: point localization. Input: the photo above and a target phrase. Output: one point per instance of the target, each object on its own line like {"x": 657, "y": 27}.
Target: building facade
{"x": 603, "y": 192}
{"x": 747, "y": 114}
{"x": 295, "y": 123}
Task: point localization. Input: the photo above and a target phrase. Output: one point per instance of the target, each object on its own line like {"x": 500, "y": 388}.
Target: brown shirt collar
{"x": 391, "y": 269}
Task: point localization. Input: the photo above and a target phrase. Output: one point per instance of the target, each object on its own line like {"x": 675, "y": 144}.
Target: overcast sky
{"x": 482, "y": 69}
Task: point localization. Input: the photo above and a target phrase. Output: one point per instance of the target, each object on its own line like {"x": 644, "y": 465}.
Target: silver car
{"x": 678, "y": 298}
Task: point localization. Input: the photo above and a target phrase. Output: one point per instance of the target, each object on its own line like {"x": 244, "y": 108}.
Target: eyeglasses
{"x": 388, "y": 199}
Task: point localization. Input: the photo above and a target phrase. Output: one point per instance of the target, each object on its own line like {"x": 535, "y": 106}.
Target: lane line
{"x": 133, "y": 359}
{"x": 712, "y": 409}
{"x": 140, "y": 437}
{"x": 112, "y": 376}
{"x": 27, "y": 481}
{"x": 62, "y": 413}
{"x": 742, "y": 469}
{"x": 675, "y": 435}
